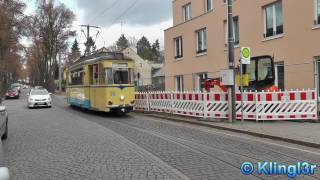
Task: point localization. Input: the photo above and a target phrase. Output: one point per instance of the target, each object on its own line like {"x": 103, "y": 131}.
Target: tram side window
{"x": 109, "y": 79}
{"x": 102, "y": 76}
{"x": 76, "y": 78}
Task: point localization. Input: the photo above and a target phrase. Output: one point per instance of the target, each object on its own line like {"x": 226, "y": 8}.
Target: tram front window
{"x": 121, "y": 76}
{"x": 118, "y": 76}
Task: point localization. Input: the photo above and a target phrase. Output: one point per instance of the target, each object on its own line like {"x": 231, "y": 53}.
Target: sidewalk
{"x": 301, "y": 133}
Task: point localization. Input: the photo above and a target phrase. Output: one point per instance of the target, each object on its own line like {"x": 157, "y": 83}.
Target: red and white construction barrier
{"x": 216, "y": 105}
{"x": 142, "y": 101}
{"x": 288, "y": 105}
{"x": 188, "y": 103}
{"x": 160, "y": 102}
{"x": 249, "y": 105}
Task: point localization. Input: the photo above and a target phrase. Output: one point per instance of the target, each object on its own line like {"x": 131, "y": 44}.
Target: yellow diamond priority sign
{"x": 245, "y": 55}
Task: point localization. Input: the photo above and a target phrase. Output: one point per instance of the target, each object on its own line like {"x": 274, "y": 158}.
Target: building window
{"x": 236, "y": 32}
{"x": 273, "y": 17}
{"x": 179, "y": 83}
{"x": 317, "y": 12}
{"x": 201, "y": 37}
{"x": 178, "y": 47}
{"x": 208, "y": 5}
{"x": 187, "y": 13}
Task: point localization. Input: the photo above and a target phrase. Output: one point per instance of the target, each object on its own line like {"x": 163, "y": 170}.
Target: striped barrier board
{"x": 217, "y": 105}
{"x": 141, "y": 102}
{"x": 249, "y": 106}
{"x": 160, "y": 102}
{"x": 259, "y": 106}
{"x": 188, "y": 103}
{"x": 293, "y": 105}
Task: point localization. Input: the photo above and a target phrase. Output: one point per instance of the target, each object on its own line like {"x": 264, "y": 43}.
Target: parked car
{"x": 16, "y": 86}
{"x": 4, "y": 171}
{"x": 3, "y": 122}
{"x": 38, "y": 87}
{"x": 39, "y": 98}
{"x": 12, "y": 93}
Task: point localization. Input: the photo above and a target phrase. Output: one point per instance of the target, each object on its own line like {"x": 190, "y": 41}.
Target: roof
{"x": 159, "y": 73}
{"x": 99, "y": 57}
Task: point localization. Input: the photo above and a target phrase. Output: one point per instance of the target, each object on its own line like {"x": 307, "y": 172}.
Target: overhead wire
{"x": 128, "y": 9}
{"x": 105, "y": 10}
{"x": 125, "y": 12}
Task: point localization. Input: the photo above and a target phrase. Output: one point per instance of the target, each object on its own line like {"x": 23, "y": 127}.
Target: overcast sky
{"x": 138, "y": 18}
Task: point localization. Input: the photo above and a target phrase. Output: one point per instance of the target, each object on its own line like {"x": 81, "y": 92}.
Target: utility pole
{"x": 232, "y": 89}
{"x": 88, "y": 37}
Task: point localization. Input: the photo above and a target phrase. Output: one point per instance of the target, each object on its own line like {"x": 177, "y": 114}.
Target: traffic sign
{"x": 245, "y": 55}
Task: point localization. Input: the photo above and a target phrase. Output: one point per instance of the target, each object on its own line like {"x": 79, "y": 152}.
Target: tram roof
{"x": 100, "y": 57}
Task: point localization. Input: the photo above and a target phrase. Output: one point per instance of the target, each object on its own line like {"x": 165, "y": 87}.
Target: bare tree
{"x": 132, "y": 41}
{"x": 50, "y": 30}
{"x": 113, "y": 48}
{"x": 11, "y": 29}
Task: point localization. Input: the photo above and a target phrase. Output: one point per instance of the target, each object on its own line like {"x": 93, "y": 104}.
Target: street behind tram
{"x": 70, "y": 143}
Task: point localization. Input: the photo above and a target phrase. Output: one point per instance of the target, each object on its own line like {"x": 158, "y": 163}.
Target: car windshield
{"x": 11, "y": 90}
{"x": 39, "y": 92}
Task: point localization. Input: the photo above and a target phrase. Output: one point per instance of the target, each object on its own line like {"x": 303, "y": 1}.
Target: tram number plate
{"x": 112, "y": 94}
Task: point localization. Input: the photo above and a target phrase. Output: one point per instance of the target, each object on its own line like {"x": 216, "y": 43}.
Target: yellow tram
{"x": 101, "y": 82}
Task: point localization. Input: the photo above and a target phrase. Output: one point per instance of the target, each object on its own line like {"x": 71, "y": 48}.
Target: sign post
{"x": 232, "y": 88}
{"x": 245, "y": 59}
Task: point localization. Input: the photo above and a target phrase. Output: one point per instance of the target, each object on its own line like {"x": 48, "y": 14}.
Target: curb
{"x": 181, "y": 120}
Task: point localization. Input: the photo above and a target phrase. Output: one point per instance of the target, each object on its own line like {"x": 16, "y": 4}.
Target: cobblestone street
{"x": 68, "y": 143}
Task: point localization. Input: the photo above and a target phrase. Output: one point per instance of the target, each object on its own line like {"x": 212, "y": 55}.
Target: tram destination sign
{"x": 120, "y": 65}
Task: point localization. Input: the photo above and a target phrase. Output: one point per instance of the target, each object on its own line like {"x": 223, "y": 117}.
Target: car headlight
{"x": 122, "y": 97}
{"x": 30, "y": 99}
{"x": 49, "y": 99}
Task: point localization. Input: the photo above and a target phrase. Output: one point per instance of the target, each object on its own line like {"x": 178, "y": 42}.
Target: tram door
{"x": 93, "y": 70}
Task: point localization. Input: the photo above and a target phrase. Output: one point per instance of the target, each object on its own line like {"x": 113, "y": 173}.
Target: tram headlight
{"x": 122, "y": 97}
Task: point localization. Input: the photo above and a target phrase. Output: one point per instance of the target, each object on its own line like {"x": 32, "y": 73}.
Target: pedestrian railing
{"x": 286, "y": 105}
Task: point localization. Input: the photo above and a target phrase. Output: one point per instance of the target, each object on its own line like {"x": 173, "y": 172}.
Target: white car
{"x": 39, "y": 98}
